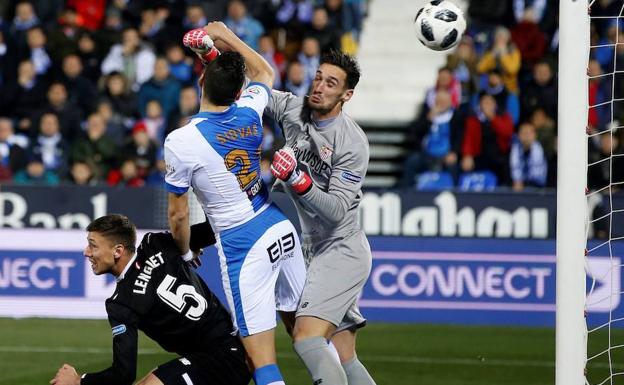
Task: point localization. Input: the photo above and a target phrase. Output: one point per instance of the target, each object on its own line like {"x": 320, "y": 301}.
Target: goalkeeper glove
{"x": 284, "y": 167}
{"x": 200, "y": 43}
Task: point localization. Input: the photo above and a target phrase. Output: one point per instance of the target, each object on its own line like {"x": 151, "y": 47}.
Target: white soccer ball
{"x": 440, "y": 25}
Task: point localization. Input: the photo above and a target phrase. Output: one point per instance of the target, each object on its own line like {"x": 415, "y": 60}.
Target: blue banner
{"x": 42, "y": 273}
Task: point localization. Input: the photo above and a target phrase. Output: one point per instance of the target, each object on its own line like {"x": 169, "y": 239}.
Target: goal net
{"x": 604, "y": 194}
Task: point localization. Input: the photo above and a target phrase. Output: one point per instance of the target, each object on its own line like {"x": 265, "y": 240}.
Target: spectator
{"x": 244, "y": 26}
{"x": 327, "y": 36}
{"x": 63, "y": 37}
{"x": 122, "y": 100}
{"x": 81, "y": 174}
{"x": 113, "y": 27}
{"x": 81, "y": 91}
{"x": 68, "y": 114}
{"x": 294, "y": 16}
{"x": 187, "y": 107}
{"x": 15, "y": 139}
{"x": 90, "y": 13}
{"x": 447, "y": 82}
{"x": 340, "y": 16}
{"x": 599, "y": 92}
{"x": 437, "y": 137}
{"x": 195, "y": 17}
{"x": 606, "y": 169}
{"x": 604, "y": 53}
{"x": 154, "y": 121}
{"x": 309, "y": 57}
{"x": 487, "y": 140}
{"x": 97, "y": 149}
{"x": 35, "y": 174}
{"x": 132, "y": 58}
{"x": 142, "y": 149}
{"x": 90, "y": 57}
{"x": 540, "y": 92}
{"x": 296, "y": 80}
{"x": 463, "y": 64}
{"x": 25, "y": 19}
{"x": 12, "y": 157}
{"x": 527, "y": 159}
{"x": 50, "y": 147}
{"x": 127, "y": 175}
{"x": 115, "y": 124}
{"x": 530, "y": 40}
{"x": 504, "y": 56}
{"x": 180, "y": 66}
{"x": 505, "y": 100}
{"x": 161, "y": 87}
{"x": 274, "y": 58}
{"x": 546, "y": 132}
{"x": 23, "y": 99}
{"x": 38, "y": 52}
{"x": 153, "y": 25}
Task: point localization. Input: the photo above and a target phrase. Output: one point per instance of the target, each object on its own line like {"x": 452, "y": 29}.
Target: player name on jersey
{"x": 241, "y": 132}
{"x": 145, "y": 275}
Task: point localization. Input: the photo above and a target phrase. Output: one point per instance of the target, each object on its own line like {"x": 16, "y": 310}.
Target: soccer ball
{"x": 440, "y": 25}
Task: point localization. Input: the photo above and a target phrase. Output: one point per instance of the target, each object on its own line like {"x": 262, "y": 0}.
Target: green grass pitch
{"x": 31, "y": 350}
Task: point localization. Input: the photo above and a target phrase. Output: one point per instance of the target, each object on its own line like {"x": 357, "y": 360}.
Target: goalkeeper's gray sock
{"x": 320, "y": 361}
{"x": 357, "y": 373}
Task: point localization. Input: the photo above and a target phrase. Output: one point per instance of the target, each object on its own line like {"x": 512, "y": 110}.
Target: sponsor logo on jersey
{"x": 119, "y": 329}
{"x": 314, "y": 162}
{"x": 170, "y": 168}
{"x": 350, "y": 177}
{"x": 254, "y": 90}
{"x": 325, "y": 152}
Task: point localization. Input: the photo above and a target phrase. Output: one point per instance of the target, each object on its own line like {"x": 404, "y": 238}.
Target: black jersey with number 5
{"x": 159, "y": 294}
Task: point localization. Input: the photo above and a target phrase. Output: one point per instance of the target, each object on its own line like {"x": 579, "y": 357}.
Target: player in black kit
{"x": 158, "y": 293}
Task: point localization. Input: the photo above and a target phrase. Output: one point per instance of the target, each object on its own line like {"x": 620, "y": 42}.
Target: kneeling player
{"x": 158, "y": 293}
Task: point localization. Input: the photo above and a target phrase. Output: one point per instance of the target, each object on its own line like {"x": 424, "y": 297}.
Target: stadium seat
{"x": 434, "y": 181}
{"x": 477, "y": 181}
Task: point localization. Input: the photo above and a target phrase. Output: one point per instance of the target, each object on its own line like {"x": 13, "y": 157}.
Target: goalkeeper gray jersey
{"x": 335, "y": 155}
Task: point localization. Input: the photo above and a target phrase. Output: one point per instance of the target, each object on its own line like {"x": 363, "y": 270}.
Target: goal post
{"x": 571, "y": 336}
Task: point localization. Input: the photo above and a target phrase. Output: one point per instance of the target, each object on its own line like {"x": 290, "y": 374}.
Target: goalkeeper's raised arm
{"x": 258, "y": 70}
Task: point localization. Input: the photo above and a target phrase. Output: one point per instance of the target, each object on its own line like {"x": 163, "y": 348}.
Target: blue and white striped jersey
{"x": 218, "y": 154}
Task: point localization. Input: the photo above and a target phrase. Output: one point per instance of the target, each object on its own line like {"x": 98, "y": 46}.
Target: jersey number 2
{"x": 178, "y": 299}
{"x": 240, "y": 158}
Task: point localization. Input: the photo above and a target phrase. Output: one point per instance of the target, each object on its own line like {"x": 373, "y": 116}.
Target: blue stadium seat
{"x": 477, "y": 181}
{"x": 434, "y": 181}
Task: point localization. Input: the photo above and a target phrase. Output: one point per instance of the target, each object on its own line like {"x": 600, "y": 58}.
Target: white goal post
{"x": 571, "y": 336}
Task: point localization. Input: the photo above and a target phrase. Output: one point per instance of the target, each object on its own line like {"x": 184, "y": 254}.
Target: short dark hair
{"x": 346, "y": 62}
{"x": 117, "y": 228}
{"x": 224, "y": 78}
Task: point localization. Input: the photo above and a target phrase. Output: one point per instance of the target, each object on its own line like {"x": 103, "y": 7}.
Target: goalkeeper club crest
{"x": 325, "y": 152}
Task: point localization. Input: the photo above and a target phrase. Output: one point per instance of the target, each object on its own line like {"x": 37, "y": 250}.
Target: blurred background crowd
{"x": 491, "y": 117}
{"x": 89, "y": 89}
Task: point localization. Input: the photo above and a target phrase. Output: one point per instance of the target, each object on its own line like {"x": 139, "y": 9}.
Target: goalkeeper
{"x": 158, "y": 293}
{"x": 322, "y": 169}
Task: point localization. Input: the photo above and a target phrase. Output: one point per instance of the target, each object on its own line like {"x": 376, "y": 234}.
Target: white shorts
{"x": 262, "y": 269}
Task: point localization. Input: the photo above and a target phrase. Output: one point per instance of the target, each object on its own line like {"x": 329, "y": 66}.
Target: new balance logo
{"x": 317, "y": 382}
{"x": 304, "y": 305}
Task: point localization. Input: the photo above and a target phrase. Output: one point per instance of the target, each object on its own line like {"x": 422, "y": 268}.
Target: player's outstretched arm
{"x": 258, "y": 70}
{"x": 178, "y": 215}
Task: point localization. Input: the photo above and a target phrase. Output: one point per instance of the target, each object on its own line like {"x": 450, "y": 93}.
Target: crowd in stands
{"x": 490, "y": 120}
{"x": 89, "y": 89}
